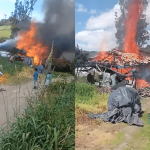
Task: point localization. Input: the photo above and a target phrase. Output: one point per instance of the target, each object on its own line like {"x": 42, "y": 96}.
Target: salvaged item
{"x": 123, "y": 106}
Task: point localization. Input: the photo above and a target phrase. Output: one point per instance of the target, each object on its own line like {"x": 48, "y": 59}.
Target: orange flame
{"x": 141, "y": 83}
{"x": 130, "y": 45}
{"x": 33, "y": 48}
{"x": 103, "y": 53}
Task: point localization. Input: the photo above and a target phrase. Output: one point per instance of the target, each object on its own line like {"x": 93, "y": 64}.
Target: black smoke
{"x": 58, "y": 26}
{"x": 143, "y": 72}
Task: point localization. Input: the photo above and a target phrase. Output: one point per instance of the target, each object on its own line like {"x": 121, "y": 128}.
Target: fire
{"x": 33, "y": 48}
{"x": 130, "y": 45}
{"x": 141, "y": 83}
{"x": 103, "y": 53}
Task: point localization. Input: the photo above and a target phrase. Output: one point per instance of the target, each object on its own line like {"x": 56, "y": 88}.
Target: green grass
{"x": 48, "y": 124}
{"x": 61, "y": 74}
{"x": 5, "y": 31}
{"x": 10, "y": 68}
{"x": 88, "y": 100}
{"x": 141, "y": 139}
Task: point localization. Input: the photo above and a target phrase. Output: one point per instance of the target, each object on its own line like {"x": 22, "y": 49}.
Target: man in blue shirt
{"x": 48, "y": 79}
{"x": 35, "y": 77}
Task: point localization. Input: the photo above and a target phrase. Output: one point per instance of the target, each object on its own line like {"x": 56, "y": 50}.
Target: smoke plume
{"x": 143, "y": 72}
{"x": 59, "y": 25}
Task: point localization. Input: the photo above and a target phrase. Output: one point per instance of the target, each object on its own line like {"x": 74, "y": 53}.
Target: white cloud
{"x": 93, "y": 11}
{"x": 92, "y": 40}
{"x": 81, "y": 8}
{"x": 102, "y": 27}
{"x": 104, "y": 20}
{"x": 97, "y": 29}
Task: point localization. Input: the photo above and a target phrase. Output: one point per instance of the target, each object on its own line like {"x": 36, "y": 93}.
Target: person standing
{"x": 48, "y": 79}
{"x": 35, "y": 77}
{"x": 11, "y": 59}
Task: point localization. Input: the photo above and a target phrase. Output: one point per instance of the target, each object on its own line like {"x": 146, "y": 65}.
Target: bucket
{"x": 148, "y": 118}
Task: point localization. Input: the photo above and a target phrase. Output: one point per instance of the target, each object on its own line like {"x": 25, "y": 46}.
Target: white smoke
{"x": 9, "y": 43}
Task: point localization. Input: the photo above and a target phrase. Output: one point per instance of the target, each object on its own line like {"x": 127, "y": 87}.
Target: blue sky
{"x": 94, "y": 24}
{"x": 90, "y": 8}
{"x": 7, "y": 6}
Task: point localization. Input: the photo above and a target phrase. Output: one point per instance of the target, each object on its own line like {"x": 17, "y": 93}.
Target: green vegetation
{"x": 14, "y": 73}
{"x": 88, "y": 99}
{"x": 5, "y": 31}
{"x": 10, "y": 68}
{"x": 61, "y": 74}
{"x": 47, "y": 124}
{"x": 141, "y": 139}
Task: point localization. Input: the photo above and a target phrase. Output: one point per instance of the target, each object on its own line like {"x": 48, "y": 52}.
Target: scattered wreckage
{"x": 117, "y": 75}
{"x": 107, "y": 77}
{"x": 115, "y": 70}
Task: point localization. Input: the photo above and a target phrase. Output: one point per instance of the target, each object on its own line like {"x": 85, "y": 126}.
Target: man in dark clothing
{"x": 35, "y": 77}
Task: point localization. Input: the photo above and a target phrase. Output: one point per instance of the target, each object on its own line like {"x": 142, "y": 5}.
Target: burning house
{"x": 126, "y": 65}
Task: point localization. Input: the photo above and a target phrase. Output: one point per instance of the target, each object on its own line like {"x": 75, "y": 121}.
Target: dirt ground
{"x": 14, "y": 97}
{"x": 107, "y": 136}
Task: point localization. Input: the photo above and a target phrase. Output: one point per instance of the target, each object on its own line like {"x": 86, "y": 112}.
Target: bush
{"x": 61, "y": 65}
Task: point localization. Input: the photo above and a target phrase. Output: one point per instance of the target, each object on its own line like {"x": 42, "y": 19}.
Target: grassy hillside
{"x": 5, "y": 31}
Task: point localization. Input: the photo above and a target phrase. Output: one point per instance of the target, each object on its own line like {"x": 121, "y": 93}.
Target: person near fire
{"x": 11, "y": 59}
{"x": 48, "y": 78}
{"x": 35, "y": 77}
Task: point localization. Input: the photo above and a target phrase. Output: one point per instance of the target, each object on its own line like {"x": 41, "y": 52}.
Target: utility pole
{"x": 49, "y": 59}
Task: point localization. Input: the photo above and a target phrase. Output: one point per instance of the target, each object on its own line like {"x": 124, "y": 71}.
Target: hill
{"x": 5, "y": 31}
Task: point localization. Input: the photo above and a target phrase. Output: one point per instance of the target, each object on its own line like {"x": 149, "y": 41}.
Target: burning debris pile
{"x": 130, "y": 66}
{"x": 33, "y": 48}
{"x": 35, "y": 38}
{"x": 119, "y": 57}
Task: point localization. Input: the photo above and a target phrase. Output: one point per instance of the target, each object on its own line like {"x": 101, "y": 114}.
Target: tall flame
{"x": 130, "y": 45}
{"x": 33, "y": 48}
{"x": 102, "y": 54}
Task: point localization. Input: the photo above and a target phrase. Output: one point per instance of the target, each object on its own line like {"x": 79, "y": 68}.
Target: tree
{"x": 22, "y": 13}
{"x": 80, "y": 57}
{"x": 142, "y": 34}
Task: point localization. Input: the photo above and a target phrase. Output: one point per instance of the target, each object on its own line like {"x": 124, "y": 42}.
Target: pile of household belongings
{"x": 123, "y": 106}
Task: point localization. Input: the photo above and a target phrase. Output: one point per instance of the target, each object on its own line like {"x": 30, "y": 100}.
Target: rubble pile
{"x": 144, "y": 92}
{"x": 131, "y": 58}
